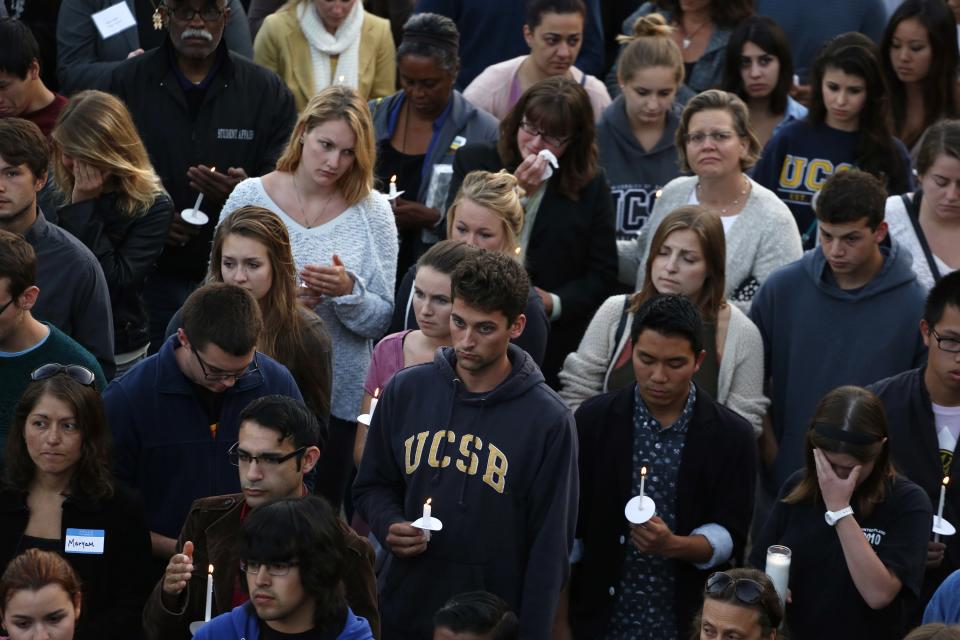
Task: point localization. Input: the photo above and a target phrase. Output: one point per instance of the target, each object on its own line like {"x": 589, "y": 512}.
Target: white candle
{"x": 778, "y": 568}
{"x": 393, "y": 186}
{"x": 427, "y": 510}
{"x": 206, "y": 614}
{"x": 943, "y": 497}
{"x": 196, "y": 205}
{"x": 643, "y": 480}
{"x": 373, "y": 402}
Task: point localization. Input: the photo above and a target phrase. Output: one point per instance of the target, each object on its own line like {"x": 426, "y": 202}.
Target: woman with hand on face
{"x": 420, "y": 128}
{"x": 687, "y": 257}
{"x": 314, "y": 44}
{"x": 927, "y": 221}
{"x": 567, "y": 241}
{"x": 716, "y": 144}
{"x": 344, "y": 243}
{"x": 635, "y": 133}
{"x": 431, "y": 304}
{"x": 58, "y": 495}
{"x": 486, "y": 213}
{"x": 919, "y": 54}
{"x": 848, "y": 126}
{"x": 116, "y": 206}
{"x": 554, "y": 33}
{"x": 759, "y": 69}
{"x": 857, "y": 530}
{"x": 40, "y": 597}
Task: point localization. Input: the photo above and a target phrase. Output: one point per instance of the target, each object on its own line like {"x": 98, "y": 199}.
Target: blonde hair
{"x": 338, "y": 102}
{"x": 96, "y": 128}
{"x": 717, "y": 100}
{"x": 500, "y": 192}
{"x": 649, "y": 46}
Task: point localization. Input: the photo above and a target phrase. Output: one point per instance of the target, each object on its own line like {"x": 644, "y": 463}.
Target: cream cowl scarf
{"x": 345, "y": 43}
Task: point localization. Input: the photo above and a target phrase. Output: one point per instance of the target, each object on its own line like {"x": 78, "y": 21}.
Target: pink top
{"x": 386, "y": 360}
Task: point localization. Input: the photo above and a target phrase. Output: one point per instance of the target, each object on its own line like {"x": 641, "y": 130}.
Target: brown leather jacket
{"x": 212, "y": 525}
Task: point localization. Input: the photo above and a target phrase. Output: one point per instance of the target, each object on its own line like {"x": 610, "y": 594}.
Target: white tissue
{"x": 552, "y": 163}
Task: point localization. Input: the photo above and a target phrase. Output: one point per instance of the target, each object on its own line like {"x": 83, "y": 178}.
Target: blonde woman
{"x": 487, "y": 213}
{"x": 344, "y": 243}
{"x": 116, "y": 206}
{"x": 313, "y": 44}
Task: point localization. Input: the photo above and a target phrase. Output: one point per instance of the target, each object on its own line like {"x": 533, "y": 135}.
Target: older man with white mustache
{"x": 209, "y": 118}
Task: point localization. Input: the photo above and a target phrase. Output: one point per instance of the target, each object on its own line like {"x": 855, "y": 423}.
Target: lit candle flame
{"x": 376, "y": 393}
{"x": 210, "y": 569}
{"x": 946, "y": 480}
{"x": 212, "y": 169}
{"x": 643, "y": 471}
{"x": 429, "y": 500}
{"x": 393, "y": 178}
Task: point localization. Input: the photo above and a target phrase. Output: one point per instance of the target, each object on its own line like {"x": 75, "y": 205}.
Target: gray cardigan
{"x": 85, "y": 60}
{"x": 763, "y": 238}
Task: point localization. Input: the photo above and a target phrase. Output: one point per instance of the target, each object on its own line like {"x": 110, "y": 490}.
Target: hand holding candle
{"x": 640, "y": 509}
{"x": 941, "y": 526}
{"x": 778, "y": 568}
{"x": 427, "y": 522}
{"x": 195, "y": 215}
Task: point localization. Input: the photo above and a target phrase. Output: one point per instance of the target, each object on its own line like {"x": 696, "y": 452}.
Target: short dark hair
{"x": 536, "y": 9}
{"x": 479, "y": 613}
{"x": 288, "y": 417}
{"x": 19, "y": 48}
{"x": 22, "y": 142}
{"x": 670, "y": 315}
{"x": 765, "y": 33}
{"x": 434, "y": 36}
{"x": 945, "y": 292}
{"x": 852, "y": 195}
{"x": 491, "y": 281}
{"x": 18, "y": 263}
{"x": 222, "y": 314}
{"x": 305, "y": 530}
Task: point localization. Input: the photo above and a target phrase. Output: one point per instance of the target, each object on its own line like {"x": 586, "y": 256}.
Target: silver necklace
{"x": 732, "y": 205}
{"x": 303, "y": 212}
{"x": 688, "y": 37}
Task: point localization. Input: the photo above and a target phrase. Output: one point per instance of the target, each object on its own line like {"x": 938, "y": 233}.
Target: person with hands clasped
{"x": 344, "y": 242}
{"x": 858, "y": 530}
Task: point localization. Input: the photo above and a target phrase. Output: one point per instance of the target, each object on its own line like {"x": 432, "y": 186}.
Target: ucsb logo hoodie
{"x": 501, "y": 471}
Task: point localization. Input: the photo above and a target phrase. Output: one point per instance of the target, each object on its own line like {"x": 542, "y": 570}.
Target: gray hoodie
{"x": 635, "y": 174}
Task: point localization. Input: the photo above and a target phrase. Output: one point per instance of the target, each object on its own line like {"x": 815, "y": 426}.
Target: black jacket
{"x": 244, "y": 121}
{"x": 127, "y": 248}
{"x": 116, "y": 583}
{"x": 716, "y": 483}
{"x": 572, "y": 251}
{"x": 916, "y": 455}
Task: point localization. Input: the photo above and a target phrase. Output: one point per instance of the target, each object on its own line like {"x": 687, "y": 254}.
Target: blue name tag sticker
{"x": 84, "y": 541}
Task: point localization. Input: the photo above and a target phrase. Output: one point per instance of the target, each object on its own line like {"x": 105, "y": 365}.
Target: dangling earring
{"x": 157, "y": 18}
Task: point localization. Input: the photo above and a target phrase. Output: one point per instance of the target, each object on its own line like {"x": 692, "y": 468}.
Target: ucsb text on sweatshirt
{"x": 500, "y": 469}
{"x": 635, "y": 174}
{"x": 817, "y": 336}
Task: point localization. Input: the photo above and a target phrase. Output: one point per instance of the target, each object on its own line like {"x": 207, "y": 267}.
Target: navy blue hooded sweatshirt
{"x": 635, "y": 174}
{"x": 501, "y": 470}
{"x": 817, "y": 336}
{"x": 243, "y": 624}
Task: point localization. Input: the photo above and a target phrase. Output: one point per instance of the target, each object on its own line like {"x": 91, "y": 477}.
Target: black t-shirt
{"x": 826, "y": 603}
{"x": 331, "y": 632}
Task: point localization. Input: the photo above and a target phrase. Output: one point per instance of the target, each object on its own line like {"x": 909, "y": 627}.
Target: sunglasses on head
{"x": 745, "y": 590}
{"x": 75, "y": 371}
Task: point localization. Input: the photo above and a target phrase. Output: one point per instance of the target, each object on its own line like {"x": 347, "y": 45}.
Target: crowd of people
{"x": 460, "y": 320}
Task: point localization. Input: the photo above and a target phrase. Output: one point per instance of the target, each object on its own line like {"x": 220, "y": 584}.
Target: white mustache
{"x": 197, "y": 33}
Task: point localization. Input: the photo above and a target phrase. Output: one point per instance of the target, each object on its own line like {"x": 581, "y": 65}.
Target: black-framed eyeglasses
{"x": 719, "y": 137}
{"x": 236, "y": 455}
{"x": 4, "y": 307}
{"x": 77, "y": 372}
{"x": 184, "y": 12}
{"x": 950, "y": 345}
{"x": 223, "y": 375}
{"x": 551, "y": 140}
{"x": 273, "y": 568}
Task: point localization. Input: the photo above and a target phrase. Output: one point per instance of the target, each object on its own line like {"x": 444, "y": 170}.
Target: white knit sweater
{"x": 586, "y": 371}
{"x": 901, "y": 230}
{"x": 763, "y": 238}
{"x": 365, "y": 238}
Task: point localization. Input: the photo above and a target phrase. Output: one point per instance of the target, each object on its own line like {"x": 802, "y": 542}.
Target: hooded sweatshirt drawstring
{"x": 435, "y": 478}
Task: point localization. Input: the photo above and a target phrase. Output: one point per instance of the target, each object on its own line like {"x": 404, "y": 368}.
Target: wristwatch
{"x": 833, "y": 517}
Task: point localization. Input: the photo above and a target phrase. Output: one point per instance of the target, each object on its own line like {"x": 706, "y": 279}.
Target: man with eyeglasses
{"x": 25, "y": 342}
{"x": 923, "y": 414}
{"x": 739, "y": 603}
{"x": 175, "y": 414}
{"x": 279, "y": 443}
{"x": 846, "y": 313}
{"x": 209, "y": 118}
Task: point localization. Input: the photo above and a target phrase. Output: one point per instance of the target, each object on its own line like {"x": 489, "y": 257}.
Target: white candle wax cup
{"x": 209, "y": 607}
{"x": 366, "y": 418}
{"x": 778, "y": 568}
{"x": 427, "y": 522}
{"x": 195, "y": 215}
{"x": 941, "y": 526}
{"x": 393, "y": 193}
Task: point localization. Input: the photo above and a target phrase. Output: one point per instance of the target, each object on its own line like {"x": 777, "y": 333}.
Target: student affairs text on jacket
{"x": 243, "y": 624}
{"x": 244, "y": 121}
{"x": 500, "y": 469}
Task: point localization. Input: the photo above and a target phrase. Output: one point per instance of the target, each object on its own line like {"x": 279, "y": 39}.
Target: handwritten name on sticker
{"x": 84, "y": 541}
